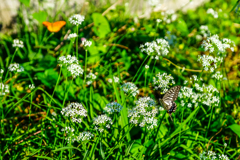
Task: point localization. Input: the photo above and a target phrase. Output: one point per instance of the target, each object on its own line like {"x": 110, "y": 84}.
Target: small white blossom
{"x": 76, "y": 111}
{"x": 163, "y": 81}
{"x": 146, "y": 66}
{"x": 159, "y": 20}
{"x": 203, "y": 95}
{"x": 209, "y": 62}
{"x": 15, "y": 67}
{"x": 113, "y": 107}
{"x": 67, "y": 60}
{"x": 157, "y": 48}
{"x": 76, "y": 19}
{"x": 130, "y": 88}
{"x": 210, "y": 155}
{"x": 86, "y": 43}
{"x": 17, "y": 43}
{"x": 212, "y": 12}
{"x": 31, "y": 86}
{"x": 144, "y": 113}
{"x": 101, "y": 122}
{"x": 116, "y": 79}
{"x": 84, "y": 136}
{"x": 217, "y": 75}
{"x": 91, "y": 77}
{"x": 4, "y": 88}
{"x": 72, "y": 36}
{"x": 204, "y": 31}
{"x": 214, "y": 44}
{"x": 75, "y": 70}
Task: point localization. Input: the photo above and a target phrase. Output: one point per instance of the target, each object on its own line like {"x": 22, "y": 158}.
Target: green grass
{"x": 34, "y": 121}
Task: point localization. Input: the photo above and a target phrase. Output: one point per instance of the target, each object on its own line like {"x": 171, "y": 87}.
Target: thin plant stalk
{"x": 85, "y": 69}
{"x": 5, "y": 78}
{"x": 77, "y": 44}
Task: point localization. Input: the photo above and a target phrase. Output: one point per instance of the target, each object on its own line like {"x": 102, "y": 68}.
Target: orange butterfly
{"x": 54, "y": 27}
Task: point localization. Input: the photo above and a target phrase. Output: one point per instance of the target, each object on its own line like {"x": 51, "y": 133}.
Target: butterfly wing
{"x": 46, "y": 24}
{"x": 169, "y": 98}
{"x": 54, "y": 27}
{"x": 172, "y": 94}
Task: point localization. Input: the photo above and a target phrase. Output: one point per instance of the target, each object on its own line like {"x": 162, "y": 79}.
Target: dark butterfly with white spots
{"x": 168, "y": 100}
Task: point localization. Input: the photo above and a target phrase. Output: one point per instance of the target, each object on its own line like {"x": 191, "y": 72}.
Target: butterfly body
{"x": 54, "y": 27}
{"x": 168, "y": 100}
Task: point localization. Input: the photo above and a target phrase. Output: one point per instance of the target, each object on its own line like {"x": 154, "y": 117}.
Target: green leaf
{"x": 25, "y": 2}
{"x": 49, "y": 77}
{"x": 230, "y": 120}
{"x": 94, "y": 53}
{"x": 182, "y": 27}
{"x": 101, "y": 151}
{"x": 99, "y": 102}
{"x": 40, "y": 16}
{"x": 101, "y": 26}
{"x": 235, "y": 128}
{"x": 48, "y": 62}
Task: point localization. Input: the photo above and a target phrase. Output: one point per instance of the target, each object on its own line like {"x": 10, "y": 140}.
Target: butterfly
{"x": 168, "y": 100}
{"x": 55, "y": 26}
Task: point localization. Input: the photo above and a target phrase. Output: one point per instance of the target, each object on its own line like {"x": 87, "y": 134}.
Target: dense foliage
{"x": 89, "y": 86}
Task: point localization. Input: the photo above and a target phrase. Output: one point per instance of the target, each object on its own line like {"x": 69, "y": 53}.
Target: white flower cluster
{"x": 204, "y": 33}
{"x": 72, "y": 65}
{"x": 86, "y": 43}
{"x": 90, "y": 76}
{"x": 205, "y": 95}
{"x": 76, "y": 19}
{"x": 214, "y": 44}
{"x": 4, "y": 88}
{"x": 15, "y": 67}
{"x": 76, "y": 111}
{"x": 67, "y": 60}
{"x": 144, "y": 113}
{"x": 31, "y": 86}
{"x": 75, "y": 70}
{"x": 157, "y": 48}
{"x": 169, "y": 16}
{"x": 162, "y": 81}
{"x": 116, "y": 79}
{"x": 209, "y": 62}
{"x": 210, "y": 155}
{"x": 71, "y": 136}
{"x": 158, "y": 20}
{"x": 113, "y": 107}
{"x": 83, "y": 136}
{"x": 217, "y": 75}
{"x": 101, "y": 122}
{"x": 212, "y": 12}
{"x": 17, "y": 43}
{"x": 72, "y": 35}
{"x": 130, "y": 88}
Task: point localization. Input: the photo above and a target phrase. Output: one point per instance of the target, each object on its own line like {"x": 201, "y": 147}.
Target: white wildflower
{"x": 113, "y": 107}
{"x": 72, "y": 36}
{"x": 130, "y": 88}
{"x": 76, "y": 19}
{"x": 76, "y": 111}
{"x": 157, "y": 48}
{"x": 17, "y": 43}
